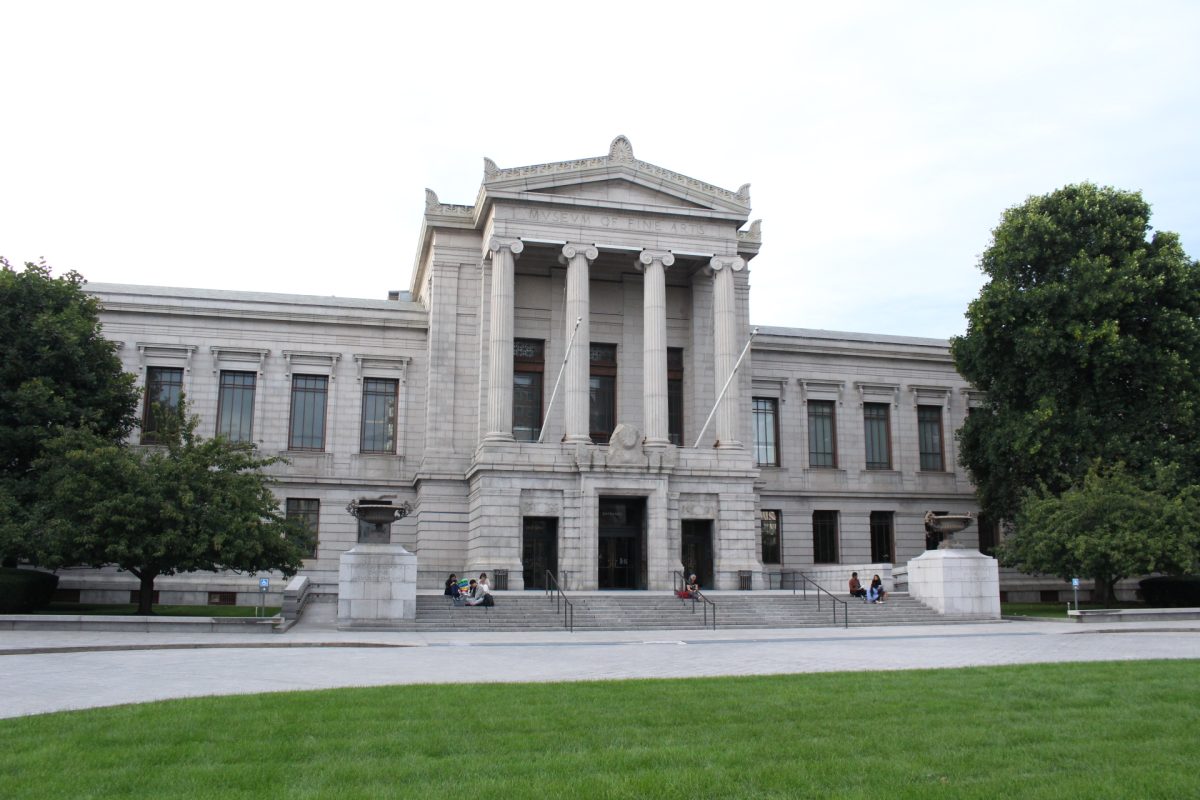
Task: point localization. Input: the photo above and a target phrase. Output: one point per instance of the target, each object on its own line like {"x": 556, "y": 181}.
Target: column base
{"x": 498, "y": 436}
{"x": 732, "y": 444}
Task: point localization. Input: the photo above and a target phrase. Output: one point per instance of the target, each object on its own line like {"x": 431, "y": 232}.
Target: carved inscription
{"x": 616, "y": 222}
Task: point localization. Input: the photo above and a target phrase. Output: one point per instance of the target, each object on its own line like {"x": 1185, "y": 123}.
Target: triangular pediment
{"x": 615, "y": 180}
{"x": 619, "y": 191}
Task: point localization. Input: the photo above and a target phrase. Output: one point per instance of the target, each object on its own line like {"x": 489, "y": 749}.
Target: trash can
{"x": 500, "y": 580}
{"x": 745, "y": 580}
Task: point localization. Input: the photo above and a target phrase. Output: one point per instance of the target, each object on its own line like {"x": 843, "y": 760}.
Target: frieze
{"x": 617, "y": 222}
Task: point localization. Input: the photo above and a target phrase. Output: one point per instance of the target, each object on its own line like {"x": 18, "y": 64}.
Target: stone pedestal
{"x": 377, "y": 585}
{"x": 956, "y": 583}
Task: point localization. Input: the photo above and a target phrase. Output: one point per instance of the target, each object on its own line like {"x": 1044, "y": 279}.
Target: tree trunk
{"x": 146, "y": 593}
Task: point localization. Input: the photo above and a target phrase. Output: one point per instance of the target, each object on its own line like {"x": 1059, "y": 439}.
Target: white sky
{"x": 285, "y": 146}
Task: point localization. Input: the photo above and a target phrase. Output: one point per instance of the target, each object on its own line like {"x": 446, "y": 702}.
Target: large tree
{"x": 56, "y": 372}
{"x": 1086, "y": 341}
{"x": 187, "y": 504}
{"x": 1110, "y": 526}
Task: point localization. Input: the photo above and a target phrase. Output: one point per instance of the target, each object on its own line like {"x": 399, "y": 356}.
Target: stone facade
{"x": 646, "y": 273}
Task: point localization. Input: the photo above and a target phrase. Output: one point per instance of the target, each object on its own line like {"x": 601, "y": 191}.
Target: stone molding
{"x": 648, "y": 257}
{"x": 718, "y": 263}
{"x": 570, "y": 250}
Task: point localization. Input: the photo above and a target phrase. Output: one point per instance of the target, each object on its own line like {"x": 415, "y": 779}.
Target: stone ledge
{"x": 1133, "y": 614}
{"x": 103, "y": 622}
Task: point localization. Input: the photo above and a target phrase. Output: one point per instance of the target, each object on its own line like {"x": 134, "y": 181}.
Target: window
{"x": 825, "y": 537}
{"x": 307, "y": 429}
{"x": 307, "y": 513}
{"x": 766, "y": 432}
{"x": 529, "y": 365}
{"x": 822, "y": 439}
{"x": 929, "y": 433}
{"x": 675, "y": 395}
{"x": 379, "y": 415}
{"x": 882, "y": 540}
{"x": 603, "y": 391}
{"x": 164, "y": 390}
{"x": 770, "y": 536}
{"x": 235, "y": 406}
{"x": 877, "y": 428}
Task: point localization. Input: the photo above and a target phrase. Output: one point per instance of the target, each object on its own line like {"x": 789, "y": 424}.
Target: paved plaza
{"x": 53, "y": 671}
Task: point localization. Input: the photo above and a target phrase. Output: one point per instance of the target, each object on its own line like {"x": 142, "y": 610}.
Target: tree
{"x": 1108, "y": 528}
{"x": 188, "y": 504}
{"x": 1086, "y": 341}
{"x": 56, "y": 371}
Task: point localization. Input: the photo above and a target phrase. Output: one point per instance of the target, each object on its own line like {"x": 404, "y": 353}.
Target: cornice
{"x": 418, "y": 320}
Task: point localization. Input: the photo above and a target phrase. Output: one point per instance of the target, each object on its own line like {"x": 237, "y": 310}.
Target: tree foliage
{"x": 186, "y": 505}
{"x": 56, "y": 371}
{"x": 1107, "y": 528}
{"x": 1086, "y": 340}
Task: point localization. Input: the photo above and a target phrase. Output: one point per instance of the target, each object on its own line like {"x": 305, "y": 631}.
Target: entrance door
{"x": 697, "y": 555}
{"x": 539, "y": 550}
{"x": 621, "y": 543}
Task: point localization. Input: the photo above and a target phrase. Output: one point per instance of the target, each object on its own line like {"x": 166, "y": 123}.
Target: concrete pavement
{"x": 47, "y": 671}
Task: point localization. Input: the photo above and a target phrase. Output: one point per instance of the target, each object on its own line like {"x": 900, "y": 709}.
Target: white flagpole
{"x": 725, "y": 388}
{"x": 558, "y": 380}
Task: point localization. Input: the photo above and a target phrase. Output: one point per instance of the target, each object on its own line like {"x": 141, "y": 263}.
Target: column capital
{"x": 648, "y": 257}
{"x": 496, "y": 244}
{"x": 718, "y": 263}
{"x": 572, "y": 249}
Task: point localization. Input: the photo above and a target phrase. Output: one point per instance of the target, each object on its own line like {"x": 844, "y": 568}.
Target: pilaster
{"x": 500, "y": 368}
{"x": 654, "y": 345}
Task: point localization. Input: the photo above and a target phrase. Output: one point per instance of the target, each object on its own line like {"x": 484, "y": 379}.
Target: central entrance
{"x": 622, "y": 538}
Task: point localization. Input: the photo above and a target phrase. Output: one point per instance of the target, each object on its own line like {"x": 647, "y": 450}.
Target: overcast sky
{"x": 285, "y": 146}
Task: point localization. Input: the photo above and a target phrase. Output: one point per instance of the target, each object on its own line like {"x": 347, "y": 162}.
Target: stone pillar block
{"x": 956, "y": 583}
{"x": 377, "y": 585}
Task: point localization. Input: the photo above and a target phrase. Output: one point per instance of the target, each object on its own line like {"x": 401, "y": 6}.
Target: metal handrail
{"x": 819, "y": 590}
{"x": 705, "y": 603}
{"x": 561, "y": 603}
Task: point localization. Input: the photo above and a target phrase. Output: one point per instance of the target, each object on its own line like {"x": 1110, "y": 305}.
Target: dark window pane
{"x": 929, "y": 432}
{"x": 603, "y": 403}
{"x": 527, "y": 406}
{"x": 307, "y": 430}
{"x": 379, "y": 415}
{"x": 235, "y": 406}
{"x": 770, "y": 536}
{"x": 164, "y": 389}
{"x": 882, "y": 545}
{"x": 825, "y": 537}
{"x": 878, "y": 435}
{"x": 766, "y": 432}
{"x": 308, "y": 513}
{"x": 822, "y": 441}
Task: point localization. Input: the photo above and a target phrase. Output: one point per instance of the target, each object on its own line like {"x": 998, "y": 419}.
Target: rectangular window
{"x": 882, "y": 539}
{"x": 164, "y": 389}
{"x": 235, "y": 406}
{"x": 825, "y": 537}
{"x": 675, "y": 395}
{"x": 877, "y": 428}
{"x": 929, "y": 433}
{"x": 307, "y": 513}
{"x": 307, "y": 429}
{"x": 766, "y": 432}
{"x": 529, "y": 365}
{"x": 822, "y": 438}
{"x": 770, "y": 536}
{"x": 603, "y": 391}
{"x": 378, "y": 433}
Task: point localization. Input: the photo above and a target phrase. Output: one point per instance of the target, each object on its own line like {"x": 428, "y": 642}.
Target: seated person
{"x": 452, "y": 586}
{"x": 693, "y": 586}
{"x": 856, "y": 587}
{"x": 479, "y": 595}
{"x": 876, "y": 592}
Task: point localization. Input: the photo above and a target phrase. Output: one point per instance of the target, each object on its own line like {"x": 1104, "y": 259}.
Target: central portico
{"x": 643, "y": 272}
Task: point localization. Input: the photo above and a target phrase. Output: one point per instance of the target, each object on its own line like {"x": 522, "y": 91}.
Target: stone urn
{"x": 948, "y": 525}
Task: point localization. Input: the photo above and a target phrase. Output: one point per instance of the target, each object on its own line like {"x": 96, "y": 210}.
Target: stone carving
{"x": 620, "y": 150}
{"x": 718, "y": 263}
{"x": 516, "y": 245}
{"x": 648, "y": 257}
{"x": 570, "y": 250}
{"x": 752, "y": 234}
{"x": 436, "y": 207}
{"x": 490, "y": 170}
{"x": 625, "y": 447}
{"x": 743, "y": 193}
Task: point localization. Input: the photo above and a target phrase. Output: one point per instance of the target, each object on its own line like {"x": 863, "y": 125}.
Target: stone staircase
{"x": 608, "y": 611}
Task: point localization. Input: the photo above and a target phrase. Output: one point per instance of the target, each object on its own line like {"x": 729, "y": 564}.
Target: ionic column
{"x": 500, "y": 368}
{"x": 577, "y": 257}
{"x": 726, "y": 346}
{"x": 654, "y": 344}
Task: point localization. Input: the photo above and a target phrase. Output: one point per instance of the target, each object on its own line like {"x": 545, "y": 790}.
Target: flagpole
{"x": 558, "y": 380}
{"x": 725, "y": 388}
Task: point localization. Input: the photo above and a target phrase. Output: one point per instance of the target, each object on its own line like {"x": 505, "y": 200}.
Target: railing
{"x": 561, "y": 603}
{"x": 705, "y": 603}
{"x": 792, "y": 576}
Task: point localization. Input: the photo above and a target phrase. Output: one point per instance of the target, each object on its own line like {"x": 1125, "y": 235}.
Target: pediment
{"x": 619, "y": 191}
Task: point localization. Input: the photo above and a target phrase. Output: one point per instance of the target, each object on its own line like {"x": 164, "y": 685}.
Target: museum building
{"x": 571, "y": 384}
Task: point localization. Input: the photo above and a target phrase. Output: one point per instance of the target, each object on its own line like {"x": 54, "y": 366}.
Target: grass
{"x": 128, "y": 609}
{"x": 1053, "y": 610}
{"x": 1048, "y": 731}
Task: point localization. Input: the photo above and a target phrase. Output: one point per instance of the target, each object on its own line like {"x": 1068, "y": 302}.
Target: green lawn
{"x": 162, "y": 611}
{"x": 1112, "y": 730}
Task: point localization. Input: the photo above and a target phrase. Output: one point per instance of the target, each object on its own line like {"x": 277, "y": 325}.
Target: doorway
{"x": 539, "y": 550}
{"x": 622, "y": 543}
{"x": 697, "y": 550}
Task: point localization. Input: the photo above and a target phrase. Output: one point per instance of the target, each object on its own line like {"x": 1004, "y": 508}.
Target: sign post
{"x": 1075, "y": 586}
{"x": 263, "y": 585}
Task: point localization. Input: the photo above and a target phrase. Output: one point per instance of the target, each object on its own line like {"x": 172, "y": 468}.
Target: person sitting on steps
{"x": 876, "y": 592}
{"x": 856, "y": 587}
{"x": 479, "y": 595}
